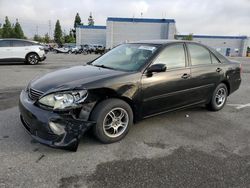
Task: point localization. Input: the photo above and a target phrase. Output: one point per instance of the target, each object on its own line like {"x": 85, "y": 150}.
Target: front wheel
{"x": 113, "y": 119}
{"x": 219, "y": 98}
{"x": 32, "y": 59}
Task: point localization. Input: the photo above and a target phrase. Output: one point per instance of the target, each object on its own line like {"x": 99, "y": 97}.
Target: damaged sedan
{"x": 129, "y": 83}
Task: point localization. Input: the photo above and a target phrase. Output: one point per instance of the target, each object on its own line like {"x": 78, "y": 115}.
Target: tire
{"x": 219, "y": 98}
{"x": 32, "y": 59}
{"x": 108, "y": 129}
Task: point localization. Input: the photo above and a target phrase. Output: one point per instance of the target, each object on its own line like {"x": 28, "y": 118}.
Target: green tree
{"x": 77, "y": 20}
{"x": 188, "y": 37}
{"x": 7, "y": 30}
{"x": 70, "y": 38}
{"x": 18, "y": 31}
{"x": 38, "y": 38}
{"x": 46, "y": 38}
{"x": 58, "y": 37}
{"x": 91, "y": 20}
{"x": 1, "y": 30}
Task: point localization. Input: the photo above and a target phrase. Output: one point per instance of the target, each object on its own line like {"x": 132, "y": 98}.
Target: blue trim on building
{"x": 145, "y": 20}
{"x": 92, "y": 27}
{"x": 215, "y": 36}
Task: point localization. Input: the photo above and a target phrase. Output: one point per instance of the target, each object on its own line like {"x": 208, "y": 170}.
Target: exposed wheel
{"x": 113, "y": 119}
{"x": 32, "y": 59}
{"x": 219, "y": 98}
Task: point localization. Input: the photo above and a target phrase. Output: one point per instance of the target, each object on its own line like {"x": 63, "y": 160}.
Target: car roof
{"x": 161, "y": 42}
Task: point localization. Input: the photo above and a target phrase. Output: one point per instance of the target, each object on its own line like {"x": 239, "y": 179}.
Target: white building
{"x": 91, "y": 35}
{"x": 226, "y": 45}
{"x": 121, "y": 30}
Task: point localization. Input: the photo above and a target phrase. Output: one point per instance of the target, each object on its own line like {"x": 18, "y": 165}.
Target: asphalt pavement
{"x": 190, "y": 148}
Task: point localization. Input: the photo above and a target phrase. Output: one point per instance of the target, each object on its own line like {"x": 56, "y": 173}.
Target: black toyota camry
{"x": 131, "y": 82}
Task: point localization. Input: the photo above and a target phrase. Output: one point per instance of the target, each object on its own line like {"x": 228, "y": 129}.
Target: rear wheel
{"x": 219, "y": 98}
{"x": 113, "y": 119}
{"x": 32, "y": 59}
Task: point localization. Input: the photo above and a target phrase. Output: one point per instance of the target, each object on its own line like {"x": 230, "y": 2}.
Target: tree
{"x": 1, "y": 30}
{"x": 58, "y": 33}
{"x": 188, "y": 37}
{"x": 91, "y": 20}
{"x": 69, "y": 38}
{"x": 38, "y": 38}
{"x": 77, "y": 20}
{"x": 18, "y": 31}
{"x": 7, "y": 30}
{"x": 46, "y": 38}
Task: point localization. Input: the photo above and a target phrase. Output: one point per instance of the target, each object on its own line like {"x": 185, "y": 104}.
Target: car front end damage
{"x": 59, "y": 129}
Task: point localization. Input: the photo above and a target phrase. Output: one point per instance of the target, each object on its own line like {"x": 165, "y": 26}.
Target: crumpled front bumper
{"x": 36, "y": 121}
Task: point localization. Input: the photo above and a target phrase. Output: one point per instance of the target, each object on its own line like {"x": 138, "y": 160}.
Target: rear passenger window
{"x": 17, "y": 43}
{"x": 4, "y": 43}
{"x": 172, "y": 56}
{"x": 199, "y": 55}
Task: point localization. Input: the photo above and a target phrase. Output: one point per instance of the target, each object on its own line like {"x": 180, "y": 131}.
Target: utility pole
{"x": 36, "y": 29}
{"x": 50, "y": 28}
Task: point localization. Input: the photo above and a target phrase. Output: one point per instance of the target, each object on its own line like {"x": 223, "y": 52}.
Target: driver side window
{"x": 172, "y": 56}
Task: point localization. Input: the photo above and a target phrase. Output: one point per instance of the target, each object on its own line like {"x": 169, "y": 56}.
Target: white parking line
{"x": 239, "y": 106}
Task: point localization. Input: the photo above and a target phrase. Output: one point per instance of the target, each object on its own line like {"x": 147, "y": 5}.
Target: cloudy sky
{"x": 218, "y": 17}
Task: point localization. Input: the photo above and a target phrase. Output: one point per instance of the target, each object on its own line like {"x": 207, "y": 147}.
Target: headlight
{"x": 64, "y": 100}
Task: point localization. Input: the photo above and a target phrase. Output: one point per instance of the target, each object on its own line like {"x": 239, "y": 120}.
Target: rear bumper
{"x": 36, "y": 122}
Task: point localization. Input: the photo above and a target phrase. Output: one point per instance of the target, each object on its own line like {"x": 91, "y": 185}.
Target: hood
{"x": 70, "y": 78}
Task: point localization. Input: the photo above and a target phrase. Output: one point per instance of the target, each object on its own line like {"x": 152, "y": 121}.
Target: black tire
{"x": 32, "y": 59}
{"x": 214, "y": 104}
{"x": 100, "y": 113}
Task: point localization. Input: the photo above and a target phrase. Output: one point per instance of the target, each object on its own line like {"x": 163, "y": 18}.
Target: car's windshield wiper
{"x": 103, "y": 66}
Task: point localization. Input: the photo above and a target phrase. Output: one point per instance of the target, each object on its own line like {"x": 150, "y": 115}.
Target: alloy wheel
{"x": 33, "y": 59}
{"x": 220, "y": 97}
{"x": 115, "y": 122}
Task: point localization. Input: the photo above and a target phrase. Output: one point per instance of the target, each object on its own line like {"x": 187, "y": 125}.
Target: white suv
{"x": 30, "y": 52}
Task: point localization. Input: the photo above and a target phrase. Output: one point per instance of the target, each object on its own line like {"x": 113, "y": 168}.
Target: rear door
{"x": 20, "y": 48}
{"x": 5, "y": 49}
{"x": 167, "y": 90}
{"x": 206, "y": 71}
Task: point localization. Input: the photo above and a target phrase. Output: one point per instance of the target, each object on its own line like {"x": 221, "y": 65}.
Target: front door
{"x": 170, "y": 89}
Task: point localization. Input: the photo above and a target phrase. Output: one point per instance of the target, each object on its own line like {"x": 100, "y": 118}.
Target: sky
{"x": 218, "y": 17}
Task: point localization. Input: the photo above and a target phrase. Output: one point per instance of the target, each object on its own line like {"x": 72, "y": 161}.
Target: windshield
{"x": 126, "y": 57}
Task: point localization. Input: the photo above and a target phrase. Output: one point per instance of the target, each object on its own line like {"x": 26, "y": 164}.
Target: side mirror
{"x": 157, "y": 68}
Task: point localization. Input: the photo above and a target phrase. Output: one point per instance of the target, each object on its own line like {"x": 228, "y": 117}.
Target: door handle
{"x": 185, "y": 76}
{"x": 218, "y": 69}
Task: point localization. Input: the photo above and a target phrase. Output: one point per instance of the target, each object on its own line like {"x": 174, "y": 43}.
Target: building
{"x": 226, "y": 45}
{"x": 120, "y": 30}
{"x": 91, "y": 35}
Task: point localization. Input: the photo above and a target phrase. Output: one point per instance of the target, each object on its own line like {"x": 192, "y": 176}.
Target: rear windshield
{"x": 222, "y": 58}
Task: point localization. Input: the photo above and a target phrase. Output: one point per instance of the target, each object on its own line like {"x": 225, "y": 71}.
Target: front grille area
{"x": 34, "y": 94}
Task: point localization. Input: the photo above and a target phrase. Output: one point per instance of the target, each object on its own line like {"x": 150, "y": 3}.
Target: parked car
{"x": 30, "y": 52}
{"x": 129, "y": 83}
{"x": 100, "y": 49}
{"x": 75, "y": 49}
{"x": 61, "y": 50}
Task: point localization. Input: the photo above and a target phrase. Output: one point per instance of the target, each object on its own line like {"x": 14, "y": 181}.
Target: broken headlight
{"x": 64, "y": 100}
